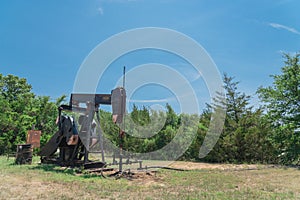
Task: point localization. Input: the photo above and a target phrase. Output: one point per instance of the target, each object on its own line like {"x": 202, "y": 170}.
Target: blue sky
{"x": 46, "y": 41}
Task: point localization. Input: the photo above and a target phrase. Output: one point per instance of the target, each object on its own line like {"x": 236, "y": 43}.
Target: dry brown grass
{"x": 203, "y": 181}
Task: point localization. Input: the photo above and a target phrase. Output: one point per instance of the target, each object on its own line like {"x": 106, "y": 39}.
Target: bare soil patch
{"x": 199, "y": 165}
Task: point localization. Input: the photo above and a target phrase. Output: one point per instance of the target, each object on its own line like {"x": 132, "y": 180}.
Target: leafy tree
{"x": 20, "y": 110}
{"x": 244, "y": 138}
{"x": 44, "y": 114}
{"x": 282, "y": 103}
{"x": 4, "y": 124}
{"x": 16, "y": 102}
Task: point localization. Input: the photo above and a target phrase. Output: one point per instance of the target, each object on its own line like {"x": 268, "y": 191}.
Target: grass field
{"x": 202, "y": 181}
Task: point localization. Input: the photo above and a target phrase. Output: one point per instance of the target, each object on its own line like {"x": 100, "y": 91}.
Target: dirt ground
{"x": 197, "y": 166}
{"x": 148, "y": 177}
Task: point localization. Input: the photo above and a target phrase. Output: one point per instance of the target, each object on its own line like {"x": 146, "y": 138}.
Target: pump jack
{"x": 74, "y": 150}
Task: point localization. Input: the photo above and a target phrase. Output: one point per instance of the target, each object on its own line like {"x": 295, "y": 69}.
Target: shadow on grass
{"x": 55, "y": 169}
{"x": 65, "y": 170}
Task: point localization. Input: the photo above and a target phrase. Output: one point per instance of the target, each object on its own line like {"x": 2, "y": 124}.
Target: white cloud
{"x": 282, "y": 2}
{"x": 99, "y": 4}
{"x": 280, "y": 26}
{"x": 188, "y": 71}
{"x": 100, "y": 10}
{"x": 152, "y": 100}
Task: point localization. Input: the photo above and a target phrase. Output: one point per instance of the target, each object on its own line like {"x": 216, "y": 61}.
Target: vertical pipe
{"x": 122, "y": 130}
{"x": 124, "y": 71}
{"x": 100, "y": 135}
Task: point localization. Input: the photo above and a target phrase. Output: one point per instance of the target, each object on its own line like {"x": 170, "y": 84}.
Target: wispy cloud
{"x": 280, "y": 26}
{"x": 282, "y": 2}
{"x": 100, "y": 10}
{"x": 100, "y": 3}
{"x": 188, "y": 71}
{"x": 152, "y": 100}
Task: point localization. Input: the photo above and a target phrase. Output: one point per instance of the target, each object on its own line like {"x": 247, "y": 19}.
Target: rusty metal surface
{"x": 24, "y": 154}
{"x": 76, "y": 99}
{"x": 34, "y": 138}
{"x": 51, "y": 146}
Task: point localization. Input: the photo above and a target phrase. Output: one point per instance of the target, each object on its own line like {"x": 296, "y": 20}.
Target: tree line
{"x": 268, "y": 133}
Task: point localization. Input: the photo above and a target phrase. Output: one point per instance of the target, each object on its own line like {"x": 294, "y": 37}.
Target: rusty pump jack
{"x": 76, "y": 152}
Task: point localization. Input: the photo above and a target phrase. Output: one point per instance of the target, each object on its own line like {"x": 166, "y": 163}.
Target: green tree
{"x": 20, "y": 110}
{"x": 16, "y": 101}
{"x": 44, "y": 114}
{"x": 282, "y": 104}
{"x": 245, "y": 134}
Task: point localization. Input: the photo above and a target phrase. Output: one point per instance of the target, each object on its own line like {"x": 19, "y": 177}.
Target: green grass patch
{"x": 37, "y": 181}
